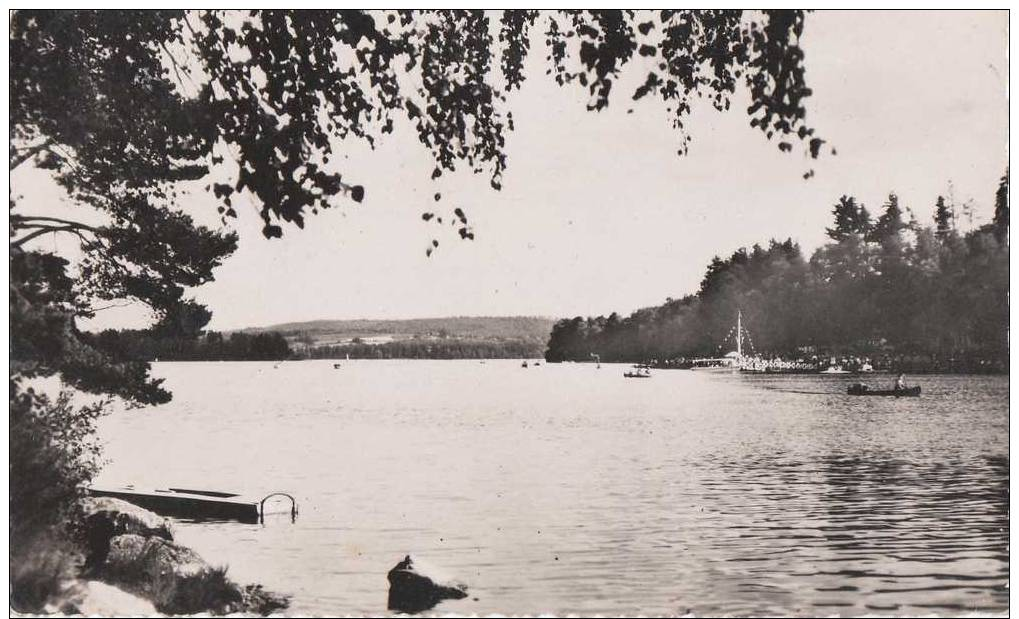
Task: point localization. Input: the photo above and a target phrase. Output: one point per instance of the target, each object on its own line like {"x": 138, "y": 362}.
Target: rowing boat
{"x": 909, "y": 392}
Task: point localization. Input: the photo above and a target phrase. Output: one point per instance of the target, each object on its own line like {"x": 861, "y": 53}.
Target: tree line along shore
{"x": 153, "y": 345}
{"x": 898, "y": 292}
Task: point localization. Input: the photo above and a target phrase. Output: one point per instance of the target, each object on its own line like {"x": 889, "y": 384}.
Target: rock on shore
{"x": 172, "y": 576}
{"x": 415, "y": 587}
{"x": 107, "y": 518}
{"x": 133, "y": 549}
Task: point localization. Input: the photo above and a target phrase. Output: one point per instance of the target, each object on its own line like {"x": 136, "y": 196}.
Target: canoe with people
{"x": 899, "y": 389}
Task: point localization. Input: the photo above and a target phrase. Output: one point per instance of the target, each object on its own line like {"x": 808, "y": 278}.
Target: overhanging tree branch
{"x": 41, "y": 231}
{"x": 28, "y": 153}
{"x": 25, "y": 221}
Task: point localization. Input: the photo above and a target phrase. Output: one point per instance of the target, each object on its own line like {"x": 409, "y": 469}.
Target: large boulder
{"x": 106, "y": 518}
{"x": 179, "y": 581}
{"x": 158, "y": 569}
{"x": 141, "y": 558}
{"x": 415, "y": 587}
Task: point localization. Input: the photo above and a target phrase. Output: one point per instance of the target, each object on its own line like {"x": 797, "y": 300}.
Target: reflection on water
{"x": 567, "y": 489}
{"x": 870, "y": 531}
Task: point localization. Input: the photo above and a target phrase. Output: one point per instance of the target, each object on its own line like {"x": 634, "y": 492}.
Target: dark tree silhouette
{"x": 1001, "y": 209}
{"x": 849, "y": 219}
{"x": 278, "y": 89}
{"x": 889, "y": 223}
{"x": 944, "y": 219}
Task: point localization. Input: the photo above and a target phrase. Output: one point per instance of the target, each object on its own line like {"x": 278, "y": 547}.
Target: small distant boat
{"x": 637, "y": 374}
{"x": 336, "y": 366}
{"x": 835, "y": 369}
{"x": 713, "y": 365}
{"x": 908, "y": 392}
{"x": 524, "y": 364}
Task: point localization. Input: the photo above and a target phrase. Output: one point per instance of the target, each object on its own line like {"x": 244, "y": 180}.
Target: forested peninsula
{"x": 904, "y": 293}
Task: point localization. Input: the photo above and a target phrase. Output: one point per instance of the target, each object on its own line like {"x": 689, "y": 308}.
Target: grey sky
{"x": 597, "y": 212}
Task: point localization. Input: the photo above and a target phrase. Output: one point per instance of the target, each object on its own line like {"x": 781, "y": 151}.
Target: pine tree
{"x": 943, "y": 219}
{"x": 846, "y": 219}
{"x": 890, "y": 222}
{"x": 1001, "y": 210}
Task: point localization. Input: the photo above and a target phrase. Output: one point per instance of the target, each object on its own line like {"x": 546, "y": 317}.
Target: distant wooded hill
{"x": 476, "y": 327}
{"x": 452, "y": 337}
{"x": 511, "y": 337}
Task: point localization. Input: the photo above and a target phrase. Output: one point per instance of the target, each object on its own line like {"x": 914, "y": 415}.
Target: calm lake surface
{"x": 569, "y": 489}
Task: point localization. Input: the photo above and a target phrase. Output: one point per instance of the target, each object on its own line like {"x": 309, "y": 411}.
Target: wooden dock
{"x": 198, "y": 504}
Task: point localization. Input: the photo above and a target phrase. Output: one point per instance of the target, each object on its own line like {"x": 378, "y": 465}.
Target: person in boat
{"x": 900, "y": 383}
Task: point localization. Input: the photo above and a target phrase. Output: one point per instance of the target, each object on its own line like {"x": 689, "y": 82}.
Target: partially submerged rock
{"x": 106, "y": 518}
{"x": 415, "y": 588}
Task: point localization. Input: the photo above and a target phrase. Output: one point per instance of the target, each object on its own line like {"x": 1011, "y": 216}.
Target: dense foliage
{"x": 889, "y": 287}
{"x": 53, "y": 453}
{"x": 150, "y": 345}
{"x": 166, "y": 96}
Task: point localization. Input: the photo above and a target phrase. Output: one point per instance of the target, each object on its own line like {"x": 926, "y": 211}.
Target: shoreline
{"x": 883, "y": 371}
{"x": 131, "y": 558}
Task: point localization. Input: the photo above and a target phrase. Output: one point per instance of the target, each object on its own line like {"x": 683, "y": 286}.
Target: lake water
{"x": 570, "y": 489}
